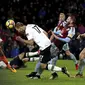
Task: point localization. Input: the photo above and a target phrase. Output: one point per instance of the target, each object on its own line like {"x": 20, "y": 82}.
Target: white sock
{"x": 34, "y": 58}
{"x": 54, "y": 68}
{"x": 32, "y": 53}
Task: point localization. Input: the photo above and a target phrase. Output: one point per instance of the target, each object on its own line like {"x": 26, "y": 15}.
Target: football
{"x": 10, "y": 24}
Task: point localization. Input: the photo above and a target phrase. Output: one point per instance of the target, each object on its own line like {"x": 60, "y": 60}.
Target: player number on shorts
{"x": 36, "y": 28}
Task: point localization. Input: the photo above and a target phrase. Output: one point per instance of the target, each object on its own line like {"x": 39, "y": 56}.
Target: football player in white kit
{"x": 36, "y": 34}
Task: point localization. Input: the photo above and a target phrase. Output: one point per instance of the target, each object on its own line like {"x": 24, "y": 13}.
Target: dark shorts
{"x": 16, "y": 63}
{"x": 46, "y": 55}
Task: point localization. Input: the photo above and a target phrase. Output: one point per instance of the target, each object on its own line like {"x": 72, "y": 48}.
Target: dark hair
{"x": 72, "y": 17}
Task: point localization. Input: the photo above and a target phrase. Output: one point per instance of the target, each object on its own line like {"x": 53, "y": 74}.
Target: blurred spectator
{"x": 8, "y": 47}
{"x": 44, "y": 13}
{"x": 15, "y": 49}
{"x": 81, "y": 28}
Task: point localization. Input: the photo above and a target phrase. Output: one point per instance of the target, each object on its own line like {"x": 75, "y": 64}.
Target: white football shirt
{"x": 36, "y": 33}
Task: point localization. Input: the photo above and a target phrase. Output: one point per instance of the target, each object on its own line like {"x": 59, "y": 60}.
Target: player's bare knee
{"x": 81, "y": 56}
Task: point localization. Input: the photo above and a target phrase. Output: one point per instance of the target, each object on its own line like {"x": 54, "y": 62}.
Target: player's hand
{"x": 55, "y": 35}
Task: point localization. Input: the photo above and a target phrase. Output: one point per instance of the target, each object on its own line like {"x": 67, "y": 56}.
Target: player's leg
{"x": 69, "y": 54}
{"x": 81, "y": 63}
{"x": 36, "y": 75}
{"x": 30, "y": 54}
{"x": 37, "y": 70}
{"x": 33, "y": 56}
{"x": 46, "y": 57}
{"x": 53, "y": 61}
{"x": 54, "y": 54}
{"x": 4, "y": 59}
{"x": 50, "y": 67}
{"x": 54, "y": 57}
{"x": 39, "y": 64}
{"x": 20, "y": 60}
{"x": 81, "y": 68}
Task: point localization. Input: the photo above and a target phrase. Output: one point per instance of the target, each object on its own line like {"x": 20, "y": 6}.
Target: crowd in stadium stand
{"x": 42, "y": 12}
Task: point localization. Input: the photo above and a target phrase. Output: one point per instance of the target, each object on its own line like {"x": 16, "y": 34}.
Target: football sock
{"x": 53, "y": 68}
{"x": 32, "y": 53}
{"x": 53, "y": 60}
{"x": 4, "y": 59}
{"x": 38, "y": 68}
{"x": 34, "y": 59}
{"x": 73, "y": 58}
{"x": 81, "y": 66}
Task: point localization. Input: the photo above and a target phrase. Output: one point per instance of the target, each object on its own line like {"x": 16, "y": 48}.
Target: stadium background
{"x": 42, "y": 12}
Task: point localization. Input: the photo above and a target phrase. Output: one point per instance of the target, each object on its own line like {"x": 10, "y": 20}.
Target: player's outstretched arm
{"x": 29, "y": 42}
{"x": 67, "y": 39}
{"x": 31, "y": 54}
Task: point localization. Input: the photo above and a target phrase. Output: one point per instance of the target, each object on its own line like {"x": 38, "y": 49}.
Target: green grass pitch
{"x": 19, "y": 78}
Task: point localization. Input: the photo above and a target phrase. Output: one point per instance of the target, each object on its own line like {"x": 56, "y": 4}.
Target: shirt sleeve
{"x": 29, "y": 34}
{"x": 67, "y": 39}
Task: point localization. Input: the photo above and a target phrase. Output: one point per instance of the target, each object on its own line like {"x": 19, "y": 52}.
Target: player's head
{"x": 20, "y": 27}
{"x": 71, "y": 19}
{"x": 61, "y": 16}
